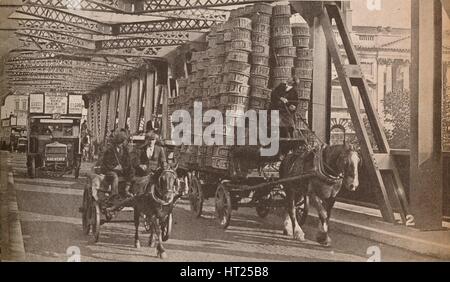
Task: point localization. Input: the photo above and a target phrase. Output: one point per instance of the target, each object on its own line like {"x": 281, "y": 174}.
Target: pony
{"x": 156, "y": 205}
{"x": 335, "y": 167}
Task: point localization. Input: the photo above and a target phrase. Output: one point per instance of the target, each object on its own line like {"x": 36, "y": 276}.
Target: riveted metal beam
{"x": 159, "y": 26}
{"x": 59, "y": 37}
{"x": 170, "y": 5}
{"x": 55, "y": 15}
{"x": 124, "y": 43}
{"x": 49, "y": 25}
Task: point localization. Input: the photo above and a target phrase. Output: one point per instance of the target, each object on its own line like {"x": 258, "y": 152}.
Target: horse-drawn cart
{"x": 248, "y": 180}
{"x": 97, "y": 200}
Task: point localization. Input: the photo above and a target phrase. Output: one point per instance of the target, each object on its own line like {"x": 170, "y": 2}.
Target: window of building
{"x": 24, "y": 105}
{"x": 337, "y": 98}
{"x": 17, "y": 105}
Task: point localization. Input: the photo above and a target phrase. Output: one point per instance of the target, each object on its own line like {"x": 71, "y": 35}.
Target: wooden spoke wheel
{"x": 223, "y": 206}
{"x": 263, "y": 207}
{"x": 196, "y": 197}
{"x": 94, "y": 216}
{"x": 166, "y": 227}
{"x": 301, "y": 208}
{"x": 85, "y": 212}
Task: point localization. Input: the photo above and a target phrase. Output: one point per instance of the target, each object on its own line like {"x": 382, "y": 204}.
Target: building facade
{"x": 385, "y": 58}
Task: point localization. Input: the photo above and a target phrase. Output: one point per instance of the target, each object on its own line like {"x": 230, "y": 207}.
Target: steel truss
{"x": 158, "y": 26}
{"x": 49, "y": 25}
{"x": 136, "y": 43}
{"x": 60, "y": 38}
{"x": 150, "y": 6}
{"x": 59, "y": 16}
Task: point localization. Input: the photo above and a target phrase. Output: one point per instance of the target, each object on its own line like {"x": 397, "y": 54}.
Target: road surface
{"x": 51, "y": 225}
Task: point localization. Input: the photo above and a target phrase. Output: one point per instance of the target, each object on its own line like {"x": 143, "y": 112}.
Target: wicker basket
{"x": 260, "y": 92}
{"x": 303, "y": 105}
{"x": 305, "y": 54}
{"x": 260, "y": 70}
{"x": 230, "y": 99}
{"x": 261, "y": 28}
{"x": 260, "y": 38}
{"x": 238, "y": 67}
{"x": 237, "y": 56}
{"x": 280, "y": 20}
{"x": 302, "y": 73}
{"x": 244, "y": 23}
{"x": 262, "y": 8}
{"x": 285, "y": 62}
{"x": 244, "y": 45}
{"x": 261, "y": 19}
{"x": 281, "y": 10}
{"x": 282, "y": 72}
{"x": 241, "y": 34}
{"x": 286, "y": 52}
{"x": 261, "y": 50}
{"x": 236, "y": 77}
{"x": 300, "y": 41}
{"x": 282, "y": 30}
{"x": 304, "y": 64}
{"x": 235, "y": 88}
{"x": 300, "y": 30}
{"x": 227, "y": 35}
{"x": 258, "y": 81}
{"x": 282, "y": 41}
{"x": 257, "y": 59}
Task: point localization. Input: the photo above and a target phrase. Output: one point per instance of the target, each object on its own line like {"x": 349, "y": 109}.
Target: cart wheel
{"x": 263, "y": 207}
{"x": 223, "y": 206}
{"x": 32, "y": 168}
{"x": 85, "y": 213}
{"x": 95, "y": 220}
{"x": 196, "y": 196}
{"x": 166, "y": 228}
{"x": 301, "y": 209}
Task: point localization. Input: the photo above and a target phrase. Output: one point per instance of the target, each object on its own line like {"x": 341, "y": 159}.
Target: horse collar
{"x": 320, "y": 168}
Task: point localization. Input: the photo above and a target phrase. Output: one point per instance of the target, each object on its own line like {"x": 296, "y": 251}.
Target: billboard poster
{"x": 75, "y": 104}
{"x": 36, "y": 103}
{"x": 56, "y": 103}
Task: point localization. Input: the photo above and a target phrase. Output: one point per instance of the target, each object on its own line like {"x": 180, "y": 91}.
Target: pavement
{"x": 51, "y": 228}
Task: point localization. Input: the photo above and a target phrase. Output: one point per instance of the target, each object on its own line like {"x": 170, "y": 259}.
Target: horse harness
{"x": 320, "y": 168}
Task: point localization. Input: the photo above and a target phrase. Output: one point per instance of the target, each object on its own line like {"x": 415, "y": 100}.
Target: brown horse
{"x": 334, "y": 167}
{"x": 156, "y": 204}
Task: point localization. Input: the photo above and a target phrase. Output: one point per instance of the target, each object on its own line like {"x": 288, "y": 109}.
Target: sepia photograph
{"x": 224, "y": 131}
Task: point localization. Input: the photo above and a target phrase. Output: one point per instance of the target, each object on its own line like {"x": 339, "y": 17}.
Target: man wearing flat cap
{"x": 151, "y": 159}
{"x": 116, "y": 162}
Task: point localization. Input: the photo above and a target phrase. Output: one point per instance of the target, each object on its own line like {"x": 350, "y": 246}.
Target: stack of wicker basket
{"x": 282, "y": 44}
{"x": 303, "y": 68}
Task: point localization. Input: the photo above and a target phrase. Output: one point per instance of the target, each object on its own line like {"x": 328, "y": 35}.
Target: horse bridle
{"x": 152, "y": 189}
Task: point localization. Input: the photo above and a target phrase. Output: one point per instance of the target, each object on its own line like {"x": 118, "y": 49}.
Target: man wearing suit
{"x": 116, "y": 162}
{"x": 151, "y": 160}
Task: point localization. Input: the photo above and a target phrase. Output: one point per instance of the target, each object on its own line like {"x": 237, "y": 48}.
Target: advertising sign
{"x": 75, "y": 104}
{"x": 56, "y": 103}
{"x": 36, "y": 103}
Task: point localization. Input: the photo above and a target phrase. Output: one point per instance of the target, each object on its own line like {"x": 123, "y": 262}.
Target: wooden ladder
{"x": 381, "y": 166}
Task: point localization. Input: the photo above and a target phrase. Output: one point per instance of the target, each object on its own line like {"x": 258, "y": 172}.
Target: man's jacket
{"x": 156, "y": 160}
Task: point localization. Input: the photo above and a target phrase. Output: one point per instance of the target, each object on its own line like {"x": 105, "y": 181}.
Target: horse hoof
{"x": 299, "y": 236}
{"x": 287, "y": 232}
{"x": 162, "y": 255}
{"x": 323, "y": 239}
{"x": 137, "y": 245}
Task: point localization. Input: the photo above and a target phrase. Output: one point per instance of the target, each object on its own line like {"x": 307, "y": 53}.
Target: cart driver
{"x": 151, "y": 161}
{"x": 116, "y": 162}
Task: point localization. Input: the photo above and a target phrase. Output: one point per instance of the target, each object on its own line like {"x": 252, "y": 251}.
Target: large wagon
{"x": 240, "y": 179}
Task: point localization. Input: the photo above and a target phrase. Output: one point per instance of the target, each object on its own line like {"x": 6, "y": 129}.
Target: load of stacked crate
{"x": 254, "y": 50}
{"x": 282, "y": 44}
{"x": 303, "y": 69}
